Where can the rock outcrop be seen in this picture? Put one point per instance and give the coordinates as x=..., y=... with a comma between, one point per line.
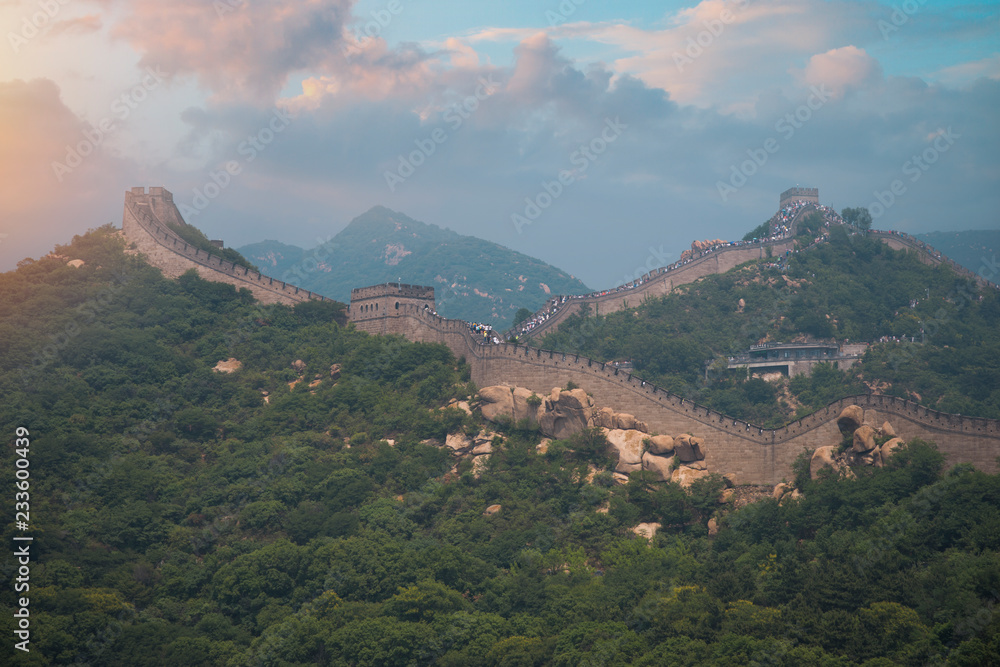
x=861, y=426
x=661, y=467
x=626, y=448
x=863, y=440
x=688, y=448
x=230, y=365
x=566, y=412
x=851, y=418
x=661, y=445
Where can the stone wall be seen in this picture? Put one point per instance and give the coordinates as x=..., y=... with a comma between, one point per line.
x=661, y=282
x=143, y=225
x=755, y=455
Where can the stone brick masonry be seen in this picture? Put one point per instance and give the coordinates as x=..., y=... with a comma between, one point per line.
x=143, y=223
x=755, y=455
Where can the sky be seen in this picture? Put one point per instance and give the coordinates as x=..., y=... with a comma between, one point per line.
x=602, y=137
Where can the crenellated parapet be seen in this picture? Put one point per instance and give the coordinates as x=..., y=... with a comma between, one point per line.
x=663, y=281
x=756, y=455
x=145, y=224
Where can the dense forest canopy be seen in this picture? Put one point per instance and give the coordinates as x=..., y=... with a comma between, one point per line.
x=933, y=333
x=300, y=515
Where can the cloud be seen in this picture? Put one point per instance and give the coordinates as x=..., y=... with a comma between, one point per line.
x=841, y=69
x=966, y=73
x=38, y=210
x=236, y=50
x=79, y=26
x=722, y=53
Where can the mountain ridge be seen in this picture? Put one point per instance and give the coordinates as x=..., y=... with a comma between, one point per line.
x=474, y=279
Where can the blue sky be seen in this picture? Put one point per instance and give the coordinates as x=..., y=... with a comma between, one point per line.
x=848, y=94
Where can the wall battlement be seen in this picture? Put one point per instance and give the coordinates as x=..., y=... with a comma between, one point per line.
x=756, y=455
x=663, y=281
x=144, y=224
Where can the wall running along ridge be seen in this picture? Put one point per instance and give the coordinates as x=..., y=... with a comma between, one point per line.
x=144, y=224
x=755, y=455
x=661, y=282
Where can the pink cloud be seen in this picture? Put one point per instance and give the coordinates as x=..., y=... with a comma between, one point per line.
x=840, y=69
x=237, y=50
x=37, y=209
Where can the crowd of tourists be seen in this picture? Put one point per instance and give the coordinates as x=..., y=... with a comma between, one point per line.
x=781, y=223
x=780, y=228
x=484, y=332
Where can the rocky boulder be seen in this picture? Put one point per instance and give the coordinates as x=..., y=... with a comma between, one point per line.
x=658, y=466
x=626, y=447
x=890, y=447
x=823, y=457
x=335, y=372
x=299, y=366
x=565, y=413
x=497, y=403
x=603, y=418
x=850, y=419
x=780, y=489
x=661, y=445
x=888, y=430
x=624, y=421
x=230, y=365
x=647, y=530
x=686, y=476
x=688, y=448
x=458, y=442
x=527, y=405
x=864, y=440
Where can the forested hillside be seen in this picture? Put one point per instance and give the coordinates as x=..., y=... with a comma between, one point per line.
x=473, y=279
x=934, y=334
x=296, y=514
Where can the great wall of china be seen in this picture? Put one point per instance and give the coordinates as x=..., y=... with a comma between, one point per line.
x=753, y=454
x=663, y=281
x=145, y=223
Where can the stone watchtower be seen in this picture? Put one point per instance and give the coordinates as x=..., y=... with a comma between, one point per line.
x=799, y=194
x=378, y=302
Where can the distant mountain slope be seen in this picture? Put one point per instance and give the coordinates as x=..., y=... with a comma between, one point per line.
x=274, y=257
x=474, y=279
x=972, y=249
